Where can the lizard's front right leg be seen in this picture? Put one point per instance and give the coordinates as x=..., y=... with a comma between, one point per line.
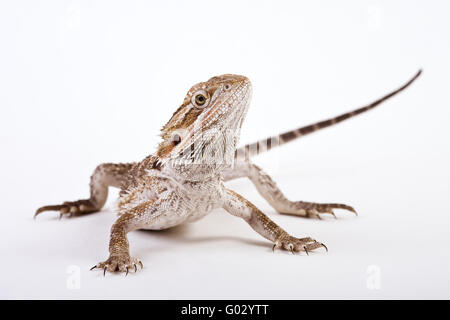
x=105, y=175
x=119, y=248
x=241, y=207
x=140, y=216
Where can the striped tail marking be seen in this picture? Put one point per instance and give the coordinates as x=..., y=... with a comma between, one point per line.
x=269, y=143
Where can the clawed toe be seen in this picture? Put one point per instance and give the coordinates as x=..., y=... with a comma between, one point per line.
x=119, y=264
x=70, y=208
x=327, y=208
x=315, y=210
x=293, y=244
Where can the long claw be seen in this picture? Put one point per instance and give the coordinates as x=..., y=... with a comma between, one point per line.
x=135, y=267
x=104, y=271
x=93, y=268
x=344, y=206
x=274, y=246
x=127, y=272
x=141, y=264
x=306, y=250
x=324, y=246
x=47, y=208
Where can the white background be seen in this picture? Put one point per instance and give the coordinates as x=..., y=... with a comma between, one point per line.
x=86, y=82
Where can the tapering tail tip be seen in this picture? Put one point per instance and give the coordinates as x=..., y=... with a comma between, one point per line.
x=417, y=75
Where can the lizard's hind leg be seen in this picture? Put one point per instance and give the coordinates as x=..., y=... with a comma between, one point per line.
x=105, y=175
x=241, y=207
x=269, y=190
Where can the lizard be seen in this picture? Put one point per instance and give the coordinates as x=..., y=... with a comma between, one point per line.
x=184, y=179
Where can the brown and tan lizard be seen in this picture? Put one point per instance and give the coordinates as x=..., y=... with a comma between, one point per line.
x=184, y=180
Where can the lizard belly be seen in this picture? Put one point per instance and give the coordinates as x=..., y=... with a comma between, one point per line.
x=172, y=219
x=165, y=221
x=171, y=202
x=190, y=211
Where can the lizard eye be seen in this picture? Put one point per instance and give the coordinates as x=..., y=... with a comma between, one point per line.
x=200, y=99
x=227, y=86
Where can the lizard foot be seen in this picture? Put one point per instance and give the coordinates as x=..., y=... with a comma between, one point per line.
x=120, y=263
x=293, y=244
x=313, y=210
x=70, y=208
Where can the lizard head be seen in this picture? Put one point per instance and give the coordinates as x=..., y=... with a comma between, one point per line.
x=206, y=126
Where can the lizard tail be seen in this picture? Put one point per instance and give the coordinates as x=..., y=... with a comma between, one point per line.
x=269, y=143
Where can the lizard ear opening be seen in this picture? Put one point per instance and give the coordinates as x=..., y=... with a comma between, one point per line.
x=176, y=139
x=200, y=99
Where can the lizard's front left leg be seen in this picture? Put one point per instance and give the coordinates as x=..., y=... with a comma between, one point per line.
x=241, y=207
x=119, y=248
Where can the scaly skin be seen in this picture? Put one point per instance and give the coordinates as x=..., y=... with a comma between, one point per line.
x=183, y=180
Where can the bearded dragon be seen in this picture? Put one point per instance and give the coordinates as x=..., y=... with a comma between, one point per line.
x=184, y=180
